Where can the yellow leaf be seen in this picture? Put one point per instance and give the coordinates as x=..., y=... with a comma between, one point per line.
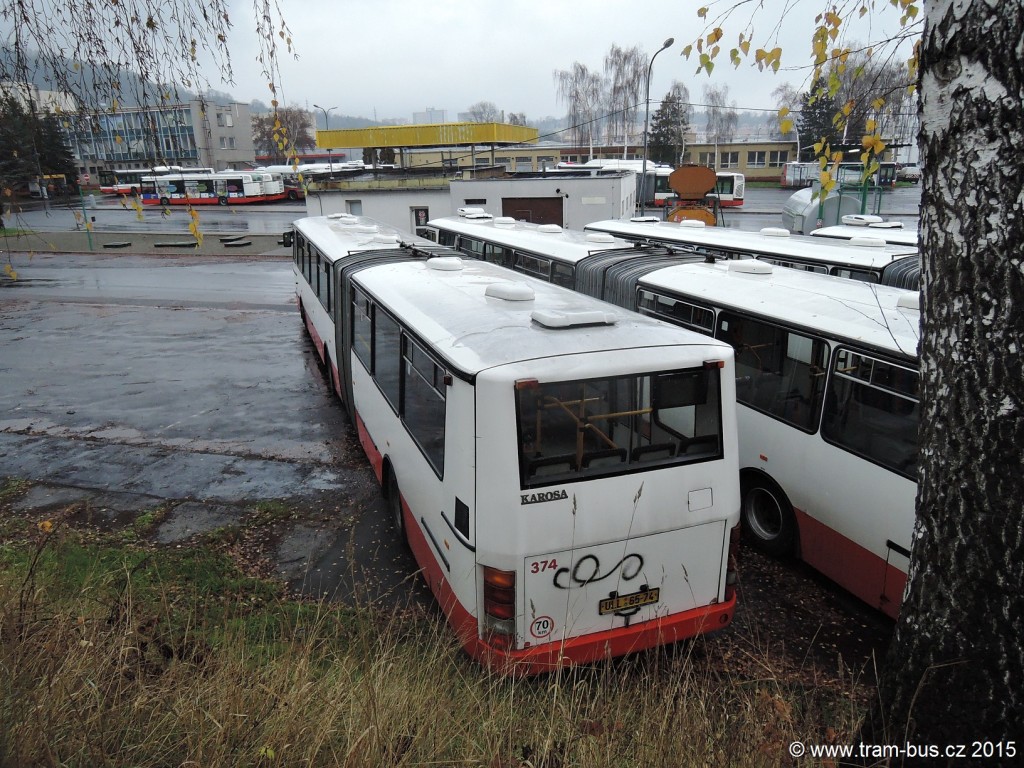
x=786, y=126
x=687, y=50
x=745, y=47
x=702, y=12
x=9, y=271
x=715, y=36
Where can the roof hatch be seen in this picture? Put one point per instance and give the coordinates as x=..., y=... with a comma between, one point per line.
x=554, y=319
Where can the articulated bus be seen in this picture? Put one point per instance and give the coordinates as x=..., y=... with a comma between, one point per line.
x=866, y=258
x=222, y=188
x=564, y=471
x=827, y=388
x=545, y=251
x=128, y=181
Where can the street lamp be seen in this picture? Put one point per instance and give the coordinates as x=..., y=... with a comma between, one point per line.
x=327, y=127
x=647, y=112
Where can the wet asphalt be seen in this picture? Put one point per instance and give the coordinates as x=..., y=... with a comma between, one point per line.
x=187, y=386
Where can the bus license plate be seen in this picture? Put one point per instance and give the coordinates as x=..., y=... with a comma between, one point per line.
x=625, y=602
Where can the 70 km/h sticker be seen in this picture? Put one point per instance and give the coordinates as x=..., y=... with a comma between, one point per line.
x=542, y=626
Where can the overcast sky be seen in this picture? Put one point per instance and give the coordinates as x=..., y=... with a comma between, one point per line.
x=389, y=58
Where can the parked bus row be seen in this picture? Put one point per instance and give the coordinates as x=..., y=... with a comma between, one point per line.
x=826, y=367
x=128, y=181
x=564, y=471
x=221, y=188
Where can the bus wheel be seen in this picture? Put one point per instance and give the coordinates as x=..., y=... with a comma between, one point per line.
x=222, y=200
x=768, y=516
x=395, y=507
x=165, y=201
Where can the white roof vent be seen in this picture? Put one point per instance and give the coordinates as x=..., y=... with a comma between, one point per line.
x=909, y=300
x=750, y=267
x=867, y=242
x=599, y=237
x=549, y=229
x=692, y=224
x=336, y=215
x=645, y=219
x=393, y=239
x=774, y=232
x=509, y=291
x=886, y=225
x=471, y=211
x=551, y=318
x=504, y=221
x=861, y=219
x=445, y=263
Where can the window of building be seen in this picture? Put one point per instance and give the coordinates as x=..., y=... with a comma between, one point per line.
x=777, y=158
x=354, y=207
x=729, y=159
x=756, y=159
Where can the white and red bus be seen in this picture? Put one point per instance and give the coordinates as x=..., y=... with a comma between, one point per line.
x=869, y=257
x=221, y=188
x=827, y=386
x=729, y=189
x=826, y=367
x=563, y=470
x=128, y=181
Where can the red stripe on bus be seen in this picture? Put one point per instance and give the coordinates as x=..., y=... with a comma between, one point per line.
x=851, y=566
x=370, y=449
x=576, y=650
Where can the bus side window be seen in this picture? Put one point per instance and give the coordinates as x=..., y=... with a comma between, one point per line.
x=871, y=409
x=387, y=356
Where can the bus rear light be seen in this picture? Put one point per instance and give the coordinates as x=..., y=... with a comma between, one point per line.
x=499, y=606
x=527, y=384
x=712, y=364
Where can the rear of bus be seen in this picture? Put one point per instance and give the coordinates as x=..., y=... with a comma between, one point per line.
x=616, y=533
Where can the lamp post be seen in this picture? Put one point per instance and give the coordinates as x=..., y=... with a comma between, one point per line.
x=327, y=127
x=647, y=113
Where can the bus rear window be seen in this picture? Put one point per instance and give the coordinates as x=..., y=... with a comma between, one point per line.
x=574, y=430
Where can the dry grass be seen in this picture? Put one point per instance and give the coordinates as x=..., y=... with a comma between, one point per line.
x=112, y=654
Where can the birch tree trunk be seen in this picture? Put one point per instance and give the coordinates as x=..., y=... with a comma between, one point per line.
x=955, y=671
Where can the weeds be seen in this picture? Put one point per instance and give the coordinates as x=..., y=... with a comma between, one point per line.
x=117, y=655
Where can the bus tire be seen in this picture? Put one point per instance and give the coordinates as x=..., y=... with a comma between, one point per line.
x=293, y=195
x=767, y=516
x=394, y=499
x=165, y=201
x=222, y=200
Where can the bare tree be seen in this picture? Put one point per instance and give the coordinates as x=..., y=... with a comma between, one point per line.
x=276, y=134
x=786, y=96
x=722, y=117
x=484, y=112
x=583, y=92
x=625, y=70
